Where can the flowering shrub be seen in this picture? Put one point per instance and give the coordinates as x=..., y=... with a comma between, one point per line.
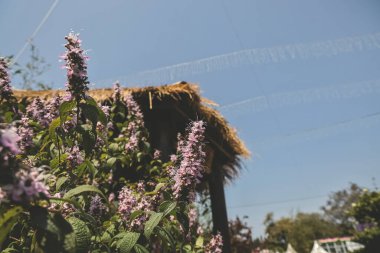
x=78, y=176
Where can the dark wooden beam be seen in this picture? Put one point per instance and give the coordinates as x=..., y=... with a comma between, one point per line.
x=218, y=207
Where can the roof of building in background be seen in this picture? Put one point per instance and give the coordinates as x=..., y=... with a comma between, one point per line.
x=183, y=101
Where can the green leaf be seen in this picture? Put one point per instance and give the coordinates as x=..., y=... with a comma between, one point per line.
x=91, y=113
x=52, y=128
x=7, y=220
x=140, y=249
x=167, y=206
x=111, y=161
x=156, y=189
x=199, y=242
x=82, y=234
x=153, y=221
x=135, y=214
x=58, y=161
x=89, y=141
x=83, y=188
x=126, y=243
x=60, y=182
x=65, y=109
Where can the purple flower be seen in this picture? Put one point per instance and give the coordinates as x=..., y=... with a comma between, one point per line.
x=6, y=92
x=9, y=139
x=29, y=186
x=135, y=125
x=130, y=202
x=26, y=134
x=97, y=207
x=215, y=245
x=76, y=67
x=193, y=217
x=52, y=108
x=157, y=154
x=75, y=157
x=127, y=202
x=190, y=170
x=116, y=91
x=38, y=111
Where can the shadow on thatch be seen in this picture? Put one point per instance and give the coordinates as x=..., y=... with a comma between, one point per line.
x=168, y=110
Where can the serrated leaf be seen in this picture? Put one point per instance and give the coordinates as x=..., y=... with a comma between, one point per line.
x=153, y=221
x=167, y=206
x=83, y=188
x=82, y=234
x=126, y=243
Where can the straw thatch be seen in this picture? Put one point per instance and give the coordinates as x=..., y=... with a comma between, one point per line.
x=168, y=109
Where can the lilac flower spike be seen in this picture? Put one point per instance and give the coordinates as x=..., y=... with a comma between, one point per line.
x=29, y=186
x=136, y=123
x=190, y=170
x=116, y=91
x=9, y=139
x=6, y=92
x=76, y=66
x=215, y=245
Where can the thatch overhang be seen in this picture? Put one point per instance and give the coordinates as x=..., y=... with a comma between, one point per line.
x=168, y=109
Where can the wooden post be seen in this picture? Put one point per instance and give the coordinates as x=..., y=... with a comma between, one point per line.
x=218, y=207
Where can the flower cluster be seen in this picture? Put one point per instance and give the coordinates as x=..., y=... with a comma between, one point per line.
x=97, y=207
x=37, y=111
x=5, y=86
x=26, y=134
x=76, y=67
x=75, y=157
x=215, y=245
x=116, y=92
x=29, y=186
x=135, y=125
x=190, y=170
x=130, y=201
x=8, y=146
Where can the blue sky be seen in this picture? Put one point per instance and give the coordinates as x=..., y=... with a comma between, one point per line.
x=306, y=101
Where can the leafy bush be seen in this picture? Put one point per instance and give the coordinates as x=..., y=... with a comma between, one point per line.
x=79, y=176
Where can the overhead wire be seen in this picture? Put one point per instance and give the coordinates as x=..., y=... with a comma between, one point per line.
x=35, y=32
x=267, y=203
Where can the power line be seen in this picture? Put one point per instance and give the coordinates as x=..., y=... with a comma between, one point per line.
x=267, y=203
x=31, y=37
x=260, y=103
x=254, y=56
x=308, y=133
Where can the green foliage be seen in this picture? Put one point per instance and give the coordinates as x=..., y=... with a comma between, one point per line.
x=366, y=212
x=338, y=205
x=300, y=231
x=81, y=167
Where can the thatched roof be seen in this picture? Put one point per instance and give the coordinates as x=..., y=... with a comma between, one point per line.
x=172, y=107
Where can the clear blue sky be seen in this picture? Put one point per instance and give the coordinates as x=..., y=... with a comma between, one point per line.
x=305, y=102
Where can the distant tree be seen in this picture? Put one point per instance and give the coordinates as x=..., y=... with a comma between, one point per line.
x=241, y=236
x=31, y=71
x=300, y=231
x=366, y=212
x=338, y=205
